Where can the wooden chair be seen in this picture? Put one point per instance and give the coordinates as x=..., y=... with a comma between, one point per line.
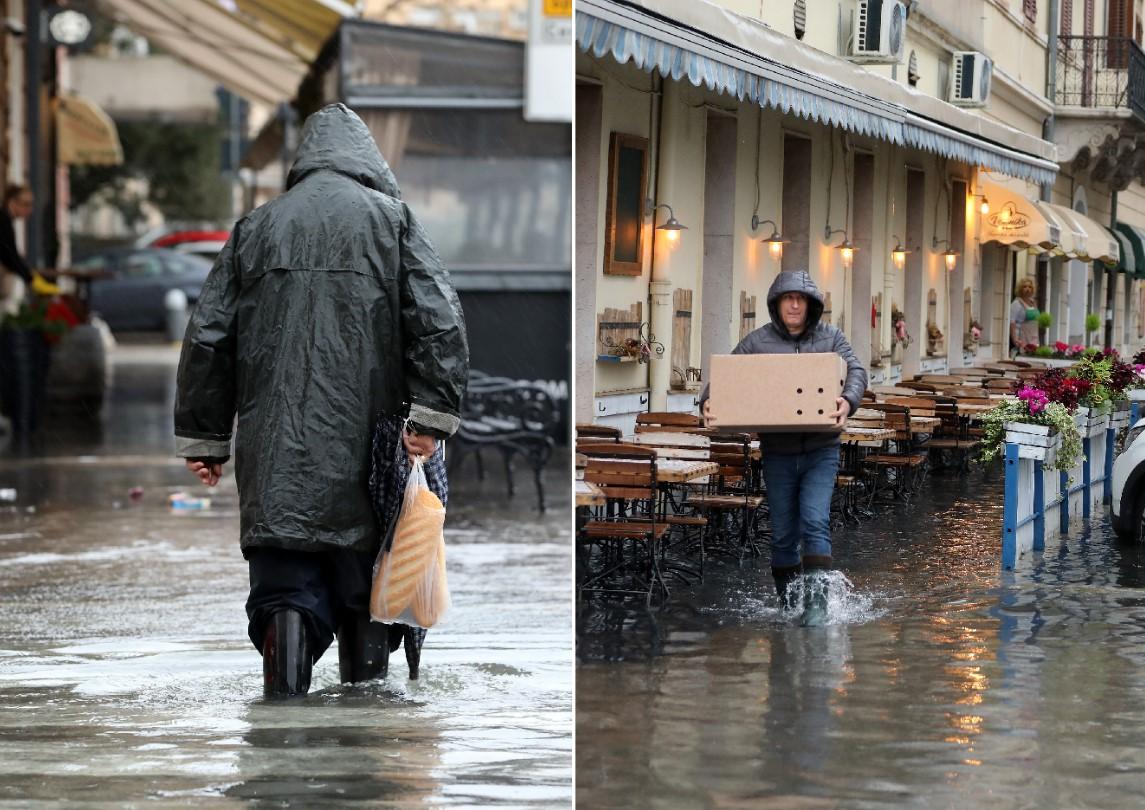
x=951, y=446
x=626, y=474
x=901, y=464
x=600, y=432
x=733, y=489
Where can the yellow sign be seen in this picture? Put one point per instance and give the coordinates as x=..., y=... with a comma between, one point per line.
x=558, y=8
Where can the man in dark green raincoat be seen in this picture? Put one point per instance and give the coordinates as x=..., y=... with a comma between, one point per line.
x=327, y=307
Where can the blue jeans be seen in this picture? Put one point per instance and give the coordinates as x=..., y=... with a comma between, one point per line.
x=799, y=489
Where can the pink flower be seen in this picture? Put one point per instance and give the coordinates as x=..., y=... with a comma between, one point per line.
x=1035, y=398
x=976, y=332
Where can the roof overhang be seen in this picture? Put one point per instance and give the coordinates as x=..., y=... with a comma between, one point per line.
x=728, y=53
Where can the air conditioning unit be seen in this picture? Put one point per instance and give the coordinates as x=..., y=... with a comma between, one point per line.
x=878, y=31
x=970, y=74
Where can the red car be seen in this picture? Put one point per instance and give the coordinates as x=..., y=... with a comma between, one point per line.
x=200, y=243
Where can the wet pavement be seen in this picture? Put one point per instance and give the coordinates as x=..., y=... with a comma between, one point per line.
x=126, y=677
x=941, y=681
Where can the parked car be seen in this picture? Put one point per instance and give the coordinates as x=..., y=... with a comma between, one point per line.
x=1127, y=488
x=131, y=296
x=203, y=243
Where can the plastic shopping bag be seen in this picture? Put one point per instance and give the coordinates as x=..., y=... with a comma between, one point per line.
x=409, y=579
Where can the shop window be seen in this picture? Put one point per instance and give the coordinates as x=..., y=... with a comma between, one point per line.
x=796, y=225
x=624, y=215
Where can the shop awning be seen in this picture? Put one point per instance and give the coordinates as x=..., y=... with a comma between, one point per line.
x=728, y=53
x=260, y=51
x=85, y=134
x=1017, y=221
x=1095, y=243
x=1128, y=262
x=1136, y=238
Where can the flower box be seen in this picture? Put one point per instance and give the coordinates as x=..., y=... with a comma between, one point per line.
x=1136, y=394
x=1040, y=442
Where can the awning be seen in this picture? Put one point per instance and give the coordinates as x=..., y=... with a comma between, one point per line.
x=1096, y=243
x=1017, y=221
x=1136, y=238
x=723, y=51
x=1128, y=262
x=261, y=51
x=85, y=134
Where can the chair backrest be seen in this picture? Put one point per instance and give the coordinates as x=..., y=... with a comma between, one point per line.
x=622, y=471
x=918, y=406
x=599, y=432
x=690, y=446
x=914, y=385
x=1001, y=384
x=666, y=419
x=977, y=401
x=732, y=451
x=964, y=391
x=895, y=417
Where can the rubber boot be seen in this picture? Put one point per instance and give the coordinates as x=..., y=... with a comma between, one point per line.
x=287, y=657
x=815, y=591
x=363, y=649
x=413, y=638
x=783, y=577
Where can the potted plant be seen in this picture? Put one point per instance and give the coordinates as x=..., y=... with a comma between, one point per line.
x=1092, y=324
x=933, y=339
x=25, y=355
x=973, y=336
x=1033, y=418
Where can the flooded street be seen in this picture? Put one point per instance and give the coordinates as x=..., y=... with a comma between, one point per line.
x=126, y=674
x=940, y=682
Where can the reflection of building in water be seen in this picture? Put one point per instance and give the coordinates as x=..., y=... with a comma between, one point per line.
x=504, y=18
x=492, y=189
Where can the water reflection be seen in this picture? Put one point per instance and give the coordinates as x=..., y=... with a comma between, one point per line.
x=962, y=685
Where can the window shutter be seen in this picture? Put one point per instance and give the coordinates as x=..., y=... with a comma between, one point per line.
x=1067, y=18
x=1118, y=18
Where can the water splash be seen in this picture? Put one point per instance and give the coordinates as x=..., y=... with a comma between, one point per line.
x=845, y=603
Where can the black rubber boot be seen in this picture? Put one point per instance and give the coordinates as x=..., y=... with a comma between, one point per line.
x=815, y=591
x=783, y=578
x=287, y=658
x=363, y=649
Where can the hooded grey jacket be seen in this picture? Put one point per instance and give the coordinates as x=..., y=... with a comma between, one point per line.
x=773, y=338
x=327, y=307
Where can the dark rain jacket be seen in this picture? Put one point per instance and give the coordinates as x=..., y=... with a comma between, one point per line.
x=773, y=338
x=326, y=307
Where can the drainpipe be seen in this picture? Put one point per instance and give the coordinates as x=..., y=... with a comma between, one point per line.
x=1111, y=278
x=1048, y=126
x=33, y=79
x=659, y=289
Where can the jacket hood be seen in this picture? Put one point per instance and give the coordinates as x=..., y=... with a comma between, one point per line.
x=795, y=281
x=336, y=139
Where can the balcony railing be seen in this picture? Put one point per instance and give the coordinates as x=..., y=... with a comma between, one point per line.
x=1100, y=72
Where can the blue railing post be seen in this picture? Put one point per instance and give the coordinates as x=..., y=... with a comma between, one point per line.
x=1010, y=509
x=1086, y=478
x=1039, y=507
x=1107, y=490
x=1063, y=515
x=1134, y=413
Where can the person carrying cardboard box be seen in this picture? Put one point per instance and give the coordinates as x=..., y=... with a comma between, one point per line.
x=800, y=466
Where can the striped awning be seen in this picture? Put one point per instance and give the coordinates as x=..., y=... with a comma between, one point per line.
x=1136, y=238
x=672, y=37
x=1128, y=262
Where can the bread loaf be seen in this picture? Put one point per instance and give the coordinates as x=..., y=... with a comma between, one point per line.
x=406, y=568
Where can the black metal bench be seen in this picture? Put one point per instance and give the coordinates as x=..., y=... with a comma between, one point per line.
x=512, y=416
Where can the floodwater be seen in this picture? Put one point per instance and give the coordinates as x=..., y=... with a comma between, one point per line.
x=126, y=676
x=941, y=681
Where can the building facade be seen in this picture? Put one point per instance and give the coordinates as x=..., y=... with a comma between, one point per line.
x=861, y=125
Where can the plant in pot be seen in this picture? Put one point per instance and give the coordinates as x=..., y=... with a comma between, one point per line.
x=1092, y=324
x=1031, y=406
x=26, y=337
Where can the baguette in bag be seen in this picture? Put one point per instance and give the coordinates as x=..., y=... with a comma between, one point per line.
x=409, y=580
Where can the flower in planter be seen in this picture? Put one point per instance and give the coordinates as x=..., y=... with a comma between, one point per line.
x=1098, y=374
x=898, y=325
x=1061, y=388
x=1060, y=349
x=1031, y=406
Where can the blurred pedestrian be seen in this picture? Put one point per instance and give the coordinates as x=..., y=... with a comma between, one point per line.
x=1024, y=316
x=327, y=307
x=799, y=469
x=15, y=274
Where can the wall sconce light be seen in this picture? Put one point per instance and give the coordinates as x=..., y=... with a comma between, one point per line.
x=898, y=254
x=846, y=248
x=950, y=255
x=671, y=226
x=984, y=206
x=775, y=242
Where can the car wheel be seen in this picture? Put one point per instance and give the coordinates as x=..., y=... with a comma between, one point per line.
x=1138, y=514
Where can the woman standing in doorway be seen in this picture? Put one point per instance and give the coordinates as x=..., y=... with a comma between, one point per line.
x=1023, y=316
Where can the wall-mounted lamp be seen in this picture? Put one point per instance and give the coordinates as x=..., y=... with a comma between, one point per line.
x=847, y=249
x=984, y=206
x=775, y=242
x=950, y=255
x=671, y=226
x=898, y=254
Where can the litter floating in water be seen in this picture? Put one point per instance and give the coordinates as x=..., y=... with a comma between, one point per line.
x=7, y=495
x=183, y=501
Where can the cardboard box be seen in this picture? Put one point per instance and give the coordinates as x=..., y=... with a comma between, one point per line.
x=776, y=393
